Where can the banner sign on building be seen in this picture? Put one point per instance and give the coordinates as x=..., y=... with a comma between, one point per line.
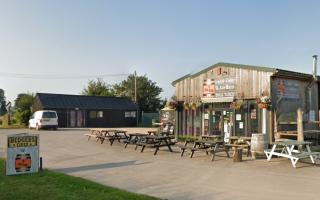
x=22, y=154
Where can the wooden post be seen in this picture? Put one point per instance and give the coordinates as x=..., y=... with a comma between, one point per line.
x=237, y=155
x=271, y=127
x=275, y=124
x=300, y=125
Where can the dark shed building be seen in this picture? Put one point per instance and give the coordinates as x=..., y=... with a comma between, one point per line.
x=88, y=111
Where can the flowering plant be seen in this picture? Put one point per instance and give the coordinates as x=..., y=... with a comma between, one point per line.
x=236, y=104
x=172, y=104
x=186, y=105
x=264, y=102
x=193, y=106
x=199, y=104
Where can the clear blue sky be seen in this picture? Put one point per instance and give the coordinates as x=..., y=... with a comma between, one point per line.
x=163, y=39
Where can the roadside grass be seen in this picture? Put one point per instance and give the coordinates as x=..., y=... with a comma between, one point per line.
x=14, y=126
x=51, y=185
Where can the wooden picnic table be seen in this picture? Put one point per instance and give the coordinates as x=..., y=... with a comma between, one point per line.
x=103, y=134
x=239, y=142
x=288, y=150
x=205, y=145
x=154, y=141
x=93, y=133
x=133, y=138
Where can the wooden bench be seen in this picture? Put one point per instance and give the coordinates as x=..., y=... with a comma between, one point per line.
x=312, y=155
x=306, y=155
x=193, y=149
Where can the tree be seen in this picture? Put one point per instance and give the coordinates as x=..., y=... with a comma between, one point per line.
x=23, y=104
x=98, y=88
x=3, y=109
x=148, y=92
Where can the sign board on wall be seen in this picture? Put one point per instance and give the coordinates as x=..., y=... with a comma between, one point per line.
x=225, y=86
x=208, y=88
x=22, y=154
x=288, y=89
x=220, y=87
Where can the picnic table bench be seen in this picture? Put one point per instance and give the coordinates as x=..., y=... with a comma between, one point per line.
x=289, y=151
x=153, y=141
x=133, y=138
x=103, y=134
x=206, y=146
x=93, y=133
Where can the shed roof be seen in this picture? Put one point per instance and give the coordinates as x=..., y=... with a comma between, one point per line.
x=66, y=101
x=276, y=71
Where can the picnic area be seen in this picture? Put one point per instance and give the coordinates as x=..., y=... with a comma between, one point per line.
x=167, y=174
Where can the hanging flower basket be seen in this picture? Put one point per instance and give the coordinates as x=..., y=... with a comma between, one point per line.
x=199, y=104
x=263, y=105
x=237, y=104
x=264, y=102
x=172, y=104
x=193, y=106
x=186, y=106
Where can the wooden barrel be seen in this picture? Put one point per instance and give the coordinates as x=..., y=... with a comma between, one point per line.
x=258, y=144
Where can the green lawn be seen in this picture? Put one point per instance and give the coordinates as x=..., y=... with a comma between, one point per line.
x=50, y=185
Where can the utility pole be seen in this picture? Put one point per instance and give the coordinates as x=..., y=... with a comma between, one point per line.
x=135, y=86
x=135, y=96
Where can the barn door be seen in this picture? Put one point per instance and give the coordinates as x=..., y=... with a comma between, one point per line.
x=72, y=118
x=80, y=118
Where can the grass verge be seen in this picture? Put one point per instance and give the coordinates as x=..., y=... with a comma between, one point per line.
x=55, y=186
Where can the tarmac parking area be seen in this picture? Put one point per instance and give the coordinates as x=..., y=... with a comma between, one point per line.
x=169, y=176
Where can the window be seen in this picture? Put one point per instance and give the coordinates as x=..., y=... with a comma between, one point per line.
x=130, y=114
x=99, y=114
x=49, y=115
x=95, y=114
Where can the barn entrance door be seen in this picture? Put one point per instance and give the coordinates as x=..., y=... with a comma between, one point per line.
x=80, y=118
x=72, y=118
x=77, y=118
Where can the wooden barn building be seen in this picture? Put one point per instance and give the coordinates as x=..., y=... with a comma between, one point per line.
x=239, y=100
x=88, y=111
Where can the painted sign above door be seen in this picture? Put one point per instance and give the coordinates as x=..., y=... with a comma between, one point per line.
x=219, y=87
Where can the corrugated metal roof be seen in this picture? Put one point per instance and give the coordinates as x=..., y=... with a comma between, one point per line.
x=65, y=101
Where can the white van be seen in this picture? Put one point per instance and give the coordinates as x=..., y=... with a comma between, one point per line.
x=44, y=119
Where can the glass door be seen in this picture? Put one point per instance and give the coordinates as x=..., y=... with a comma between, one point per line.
x=227, y=124
x=216, y=123
x=206, y=119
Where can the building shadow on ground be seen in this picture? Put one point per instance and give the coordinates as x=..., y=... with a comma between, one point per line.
x=100, y=166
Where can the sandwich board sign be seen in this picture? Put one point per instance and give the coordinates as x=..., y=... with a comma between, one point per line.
x=22, y=154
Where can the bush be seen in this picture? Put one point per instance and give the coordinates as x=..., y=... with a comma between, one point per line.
x=187, y=137
x=23, y=116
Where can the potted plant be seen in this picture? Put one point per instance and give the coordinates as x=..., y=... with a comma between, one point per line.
x=264, y=102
